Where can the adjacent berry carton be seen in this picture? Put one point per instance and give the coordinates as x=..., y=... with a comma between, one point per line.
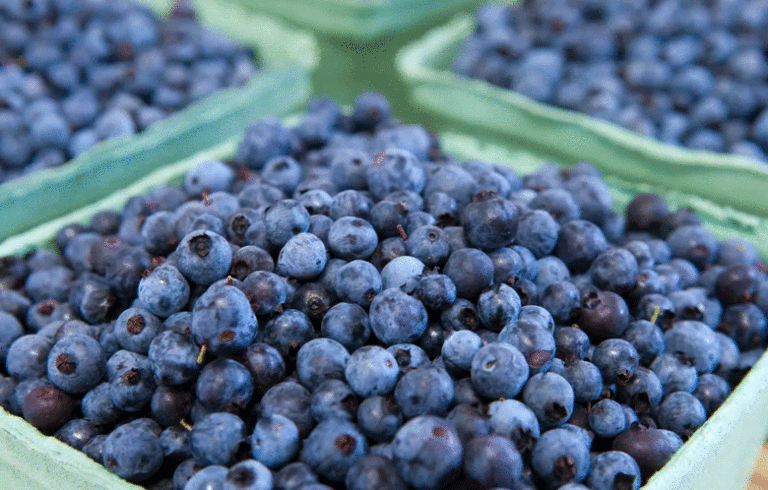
x=479, y=107
x=286, y=57
x=720, y=454
x=359, y=19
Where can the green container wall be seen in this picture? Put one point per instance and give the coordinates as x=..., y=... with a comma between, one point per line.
x=357, y=19
x=481, y=108
x=719, y=456
x=287, y=57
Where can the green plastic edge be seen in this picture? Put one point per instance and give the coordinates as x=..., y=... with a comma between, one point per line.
x=287, y=57
x=360, y=19
x=720, y=455
x=556, y=134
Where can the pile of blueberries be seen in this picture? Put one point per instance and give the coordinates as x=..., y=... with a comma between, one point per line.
x=344, y=305
x=687, y=72
x=76, y=72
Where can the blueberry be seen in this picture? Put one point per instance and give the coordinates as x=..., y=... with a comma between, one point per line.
x=561, y=456
x=132, y=452
x=571, y=343
x=223, y=320
x=287, y=332
x=694, y=243
x=333, y=398
x=649, y=448
x=352, y=238
x=349, y=167
x=224, y=385
x=209, y=477
x=612, y=469
x=729, y=355
x=396, y=317
x=498, y=306
x=283, y=220
x=370, y=110
x=538, y=231
x=266, y=292
x=386, y=216
x=76, y=363
x=258, y=195
x=131, y=380
x=615, y=270
x=410, y=137
x=579, y=243
x=302, y=257
x=424, y=390
x=135, y=329
x=371, y=370
x=164, y=291
x=333, y=447
x=174, y=357
x=373, y=472
x=27, y=357
x=550, y=397
x=746, y=324
x=436, y=291
x=696, y=342
x=348, y=324
x=313, y=299
x=711, y=391
x=351, y=203
x=50, y=284
x=738, y=283
x=291, y=400
x=429, y=245
x=319, y=360
x=539, y=316
x=98, y=407
x=379, y=418
x=585, y=379
x=357, y=282
x=426, y=438
x=498, y=370
x=408, y=356
x=561, y=298
x=471, y=271
x=617, y=360
x=550, y=270
x=94, y=449
x=603, y=315
x=248, y=475
x=204, y=257
x=490, y=221
x=395, y=170
x=402, y=272
x=454, y=181
x=275, y=440
x=44, y=406
x=675, y=373
x=169, y=405
x=606, y=418
x=216, y=438
x=492, y=461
